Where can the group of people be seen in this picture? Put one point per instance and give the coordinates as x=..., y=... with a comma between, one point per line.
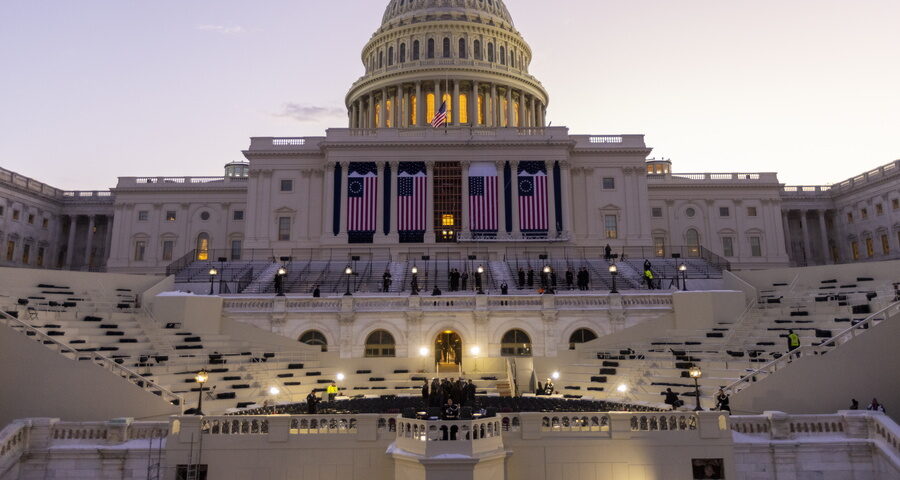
x=458, y=281
x=723, y=400
x=449, y=394
x=313, y=401
x=873, y=407
x=545, y=389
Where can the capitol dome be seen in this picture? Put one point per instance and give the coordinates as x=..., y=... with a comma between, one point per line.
x=465, y=54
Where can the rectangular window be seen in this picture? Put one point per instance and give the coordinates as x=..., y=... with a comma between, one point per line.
x=611, y=222
x=40, y=257
x=31, y=219
x=284, y=229
x=236, y=249
x=45, y=223
x=609, y=183
x=238, y=215
x=143, y=215
x=287, y=185
x=26, y=254
x=140, y=248
x=657, y=212
x=659, y=246
x=870, y=247
x=850, y=218
x=885, y=244
x=724, y=212
x=751, y=211
x=895, y=204
x=864, y=213
x=728, y=246
x=2, y=210
x=191, y=472
x=168, y=249
x=10, y=250
x=854, y=247
x=171, y=216
x=15, y=215
x=755, y=247
x=879, y=209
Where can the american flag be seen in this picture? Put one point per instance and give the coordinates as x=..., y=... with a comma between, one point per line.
x=483, y=198
x=411, y=197
x=533, y=196
x=440, y=118
x=362, y=188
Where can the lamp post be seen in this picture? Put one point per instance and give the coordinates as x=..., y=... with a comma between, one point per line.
x=478, y=283
x=349, y=272
x=201, y=377
x=279, y=281
x=696, y=373
x=475, y=350
x=683, y=270
x=212, y=279
x=614, y=271
x=414, y=284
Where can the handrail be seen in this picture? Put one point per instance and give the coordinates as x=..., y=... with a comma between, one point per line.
x=124, y=372
x=771, y=367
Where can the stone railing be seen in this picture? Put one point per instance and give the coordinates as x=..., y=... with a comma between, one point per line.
x=73, y=354
x=13, y=443
x=594, y=142
x=447, y=303
x=458, y=437
x=88, y=196
x=723, y=177
x=885, y=314
x=181, y=182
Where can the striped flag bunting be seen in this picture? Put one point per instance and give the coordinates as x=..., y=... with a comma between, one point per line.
x=483, y=197
x=533, y=196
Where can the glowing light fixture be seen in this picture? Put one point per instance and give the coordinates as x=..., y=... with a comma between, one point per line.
x=622, y=388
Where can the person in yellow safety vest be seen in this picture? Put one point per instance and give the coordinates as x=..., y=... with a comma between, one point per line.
x=648, y=276
x=332, y=391
x=793, y=342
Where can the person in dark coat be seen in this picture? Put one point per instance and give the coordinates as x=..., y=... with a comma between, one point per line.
x=386, y=281
x=451, y=410
x=530, y=277
x=504, y=289
x=436, y=292
x=570, y=279
x=454, y=280
x=465, y=280
x=607, y=252
x=316, y=292
x=521, y=278
x=723, y=402
x=312, y=403
x=672, y=399
x=425, y=392
x=587, y=279
x=434, y=400
x=553, y=279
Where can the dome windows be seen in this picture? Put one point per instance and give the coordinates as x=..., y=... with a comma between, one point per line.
x=462, y=48
x=477, y=49
x=491, y=52
x=380, y=59
x=402, y=53
x=415, y=50
x=390, y=58
x=446, y=49
x=502, y=56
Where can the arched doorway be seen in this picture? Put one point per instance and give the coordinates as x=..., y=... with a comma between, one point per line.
x=448, y=348
x=203, y=247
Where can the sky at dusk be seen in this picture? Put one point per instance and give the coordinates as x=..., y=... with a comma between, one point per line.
x=96, y=89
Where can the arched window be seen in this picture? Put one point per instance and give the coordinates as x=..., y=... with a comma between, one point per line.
x=380, y=344
x=692, y=238
x=203, y=246
x=462, y=48
x=582, y=335
x=446, y=50
x=430, y=53
x=390, y=56
x=402, y=52
x=512, y=58
x=490, y=52
x=380, y=59
x=502, y=55
x=515, y=343
x=315, y=338
x=415, y=52
x=477, y=47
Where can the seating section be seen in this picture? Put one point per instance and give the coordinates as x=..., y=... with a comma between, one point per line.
x=815, y=311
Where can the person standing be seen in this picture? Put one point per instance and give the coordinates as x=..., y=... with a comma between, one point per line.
x=854, y=404
x=875, y=406
x=793, y=342
x=530, y=277
x=521, y=278
x=607, y=253
x=570, y=278
x=672, y=399
x=723, y=402
x=465, y=280
x=332, y=392
x=425, y=392
x=312, y=403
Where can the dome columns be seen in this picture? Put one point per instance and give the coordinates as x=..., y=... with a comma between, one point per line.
x=470, y=102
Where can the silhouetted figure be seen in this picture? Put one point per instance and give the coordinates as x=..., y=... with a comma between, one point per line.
x=312, y=403
x=504, y=289
x=530, y=277
x=386, y=281
x=521, y=278
x=465, y=280
x=607, y=252
x=570, y=279
x=316, y=292
x=723, y=402
x=672, y=399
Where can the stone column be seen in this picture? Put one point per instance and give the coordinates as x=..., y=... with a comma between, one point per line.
x=379, y=200
x=429, y=203
x=509, y=108
x=420, y=106
x=371, y=110
x=501, y=199
x=107, y=242
x=398, y=107
x=806, y=247
x=455, y=101
x=437, y=99
x=70, y=251
x=566, y=195
x=473, y=104
x=786, y=225
x=343, y=196
x=826, y=251
x=383, y=118
x=532, y=115
x=514, y=179
x=92, y=223
x=494, y=122
x=464, y=221
x=394, y=236
x=551, y=199
x=328, y=201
